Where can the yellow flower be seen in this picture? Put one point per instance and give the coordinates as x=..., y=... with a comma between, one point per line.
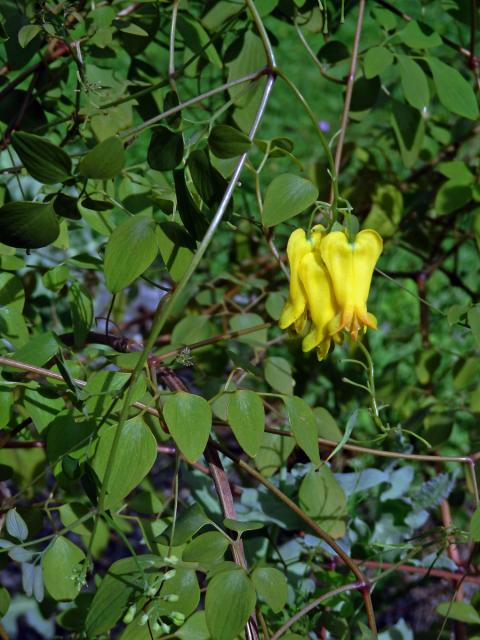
x=295, y=310
x=351, y=266
x=321, y=303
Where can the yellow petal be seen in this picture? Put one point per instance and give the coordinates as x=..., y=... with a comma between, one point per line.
x=321, y=303
x=351, y=266
x=298, y=246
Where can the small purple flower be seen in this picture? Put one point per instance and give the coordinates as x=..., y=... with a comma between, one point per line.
x=324, y=126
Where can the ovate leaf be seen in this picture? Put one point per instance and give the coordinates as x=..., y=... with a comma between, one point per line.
x=134, y=457
x=189, y=420
x=414, y=82
x=303, y=424
x=454, y=92
x=43, y=160
x=228, y=142
x=246, y=416
x=323, y=499
x=271, y=585
x=28, y=225
x=62, y=566
x=286, y=196
x=130, y=251
x=104, y=161
x=229, y=603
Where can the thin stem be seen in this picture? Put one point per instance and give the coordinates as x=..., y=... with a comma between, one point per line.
x=312, y=55
x=314, y=604
x=323, y=140
x=250, y=77
x=262, y=32
x=171, y=51
x=348, y=94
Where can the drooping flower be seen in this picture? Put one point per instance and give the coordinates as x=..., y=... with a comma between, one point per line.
x=329, y=286
x=351, y=265
x=295, y=310
x=321, y=303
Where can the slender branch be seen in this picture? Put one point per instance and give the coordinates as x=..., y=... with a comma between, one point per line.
x=250, y=77
x=313, y=605
x=171, y=50
x=262, y=32
x=423, y=571
x=348, y=94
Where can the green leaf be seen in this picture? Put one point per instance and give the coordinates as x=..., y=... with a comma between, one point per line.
x=197, y=39
x=365, y=93
x=104, y=161
x=386, y=212
x=271, y=586
x=419, y=36
x=451, y=196
x=134, y=457
x=130, y=251
x=12, y=293
x=240, y=527
x=246, y=416
x=16, y=525
x=28, y=225
x=27, y=34
x=43, y=160
x=377, y=59
x=475, y=525
x=278, y=374
x=206, y=548
x=189, y=420
x=208, y=182
x=192, y=218
x=304, y=428
x=175, y=246
x=473, y=316
x=273, y=453
x=454, y=92
x=228, y=142
x=195, y=628
x=229, y=602
x=323, y=499
x=414, y=82
x=461, y=611
x=38, y=350
x=62, y=564
x=165, y=151
x=409, y=128
x=124, y=581
x=5, y=602
x=286, y=196
x=81, y=311
x=326, y=426
x=187, y=525
x=245, y=321
x=184, y=584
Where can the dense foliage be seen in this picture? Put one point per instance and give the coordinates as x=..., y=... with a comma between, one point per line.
x=172, y=465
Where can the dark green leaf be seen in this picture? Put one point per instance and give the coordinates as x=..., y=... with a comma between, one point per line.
x=104, y=161
x=409, y=128
x=165, y=151
x=28, y=225
x=365, y=93
x=43, y=160
x=192, y=218
x=228, y=142
x=207, y=547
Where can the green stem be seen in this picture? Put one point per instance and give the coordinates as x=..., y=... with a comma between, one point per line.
x=323, y=140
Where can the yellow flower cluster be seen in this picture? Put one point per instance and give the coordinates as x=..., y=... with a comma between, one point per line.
x=329, y=284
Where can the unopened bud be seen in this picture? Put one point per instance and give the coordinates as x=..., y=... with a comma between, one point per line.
x=177, y=617
x=171, y=559
x=130, y=615
x=143, y=620
x=170, y=574
x=171, y=597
